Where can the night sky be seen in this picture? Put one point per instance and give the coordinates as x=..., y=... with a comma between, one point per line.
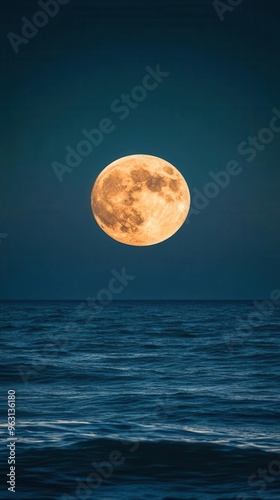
x=223, y=83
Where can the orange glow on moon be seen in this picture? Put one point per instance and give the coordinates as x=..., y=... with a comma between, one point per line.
x=140, y=200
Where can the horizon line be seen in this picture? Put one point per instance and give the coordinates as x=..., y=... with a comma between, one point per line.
x=136, y=300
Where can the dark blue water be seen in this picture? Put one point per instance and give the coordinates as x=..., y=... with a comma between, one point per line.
x=181, y=403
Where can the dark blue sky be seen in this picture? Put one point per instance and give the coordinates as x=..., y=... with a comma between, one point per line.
x=223, y=84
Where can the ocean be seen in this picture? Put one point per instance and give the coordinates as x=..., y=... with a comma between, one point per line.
x=135, y=400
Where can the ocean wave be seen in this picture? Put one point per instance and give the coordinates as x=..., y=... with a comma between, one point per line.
x=210, y=467
x=142, y=452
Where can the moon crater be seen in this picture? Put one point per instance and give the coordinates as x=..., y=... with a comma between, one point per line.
x=140, y=200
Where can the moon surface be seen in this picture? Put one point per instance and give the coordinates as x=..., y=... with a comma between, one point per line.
x=140, y=200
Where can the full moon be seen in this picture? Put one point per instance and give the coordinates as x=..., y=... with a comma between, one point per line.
x=140, y=200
